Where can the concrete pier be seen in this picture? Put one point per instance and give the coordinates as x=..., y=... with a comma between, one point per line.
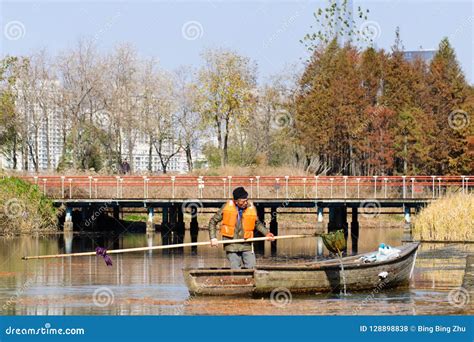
x=150, y=225
x=355, y=231
x=68, y=225
x=338, y=220
x=273, y=228
x=259, y=246
x=116, y=212
x=194, y=227
x=320, y=230
x=180, y=228
x=407, y=228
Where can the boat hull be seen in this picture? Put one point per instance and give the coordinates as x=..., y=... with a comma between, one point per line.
x=313, y=277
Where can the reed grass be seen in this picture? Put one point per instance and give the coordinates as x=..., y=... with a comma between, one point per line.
x=450, y=218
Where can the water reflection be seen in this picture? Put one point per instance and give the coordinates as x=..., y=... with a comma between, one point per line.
x=151, y=282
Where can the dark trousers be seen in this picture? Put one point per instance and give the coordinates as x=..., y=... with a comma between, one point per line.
x=246, y=258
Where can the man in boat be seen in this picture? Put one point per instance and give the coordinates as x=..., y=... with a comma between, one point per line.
x=238, y=220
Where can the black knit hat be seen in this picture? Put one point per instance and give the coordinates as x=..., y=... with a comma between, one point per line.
x=239, y=193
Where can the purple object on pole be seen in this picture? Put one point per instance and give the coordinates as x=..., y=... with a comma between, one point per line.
x=103, y=252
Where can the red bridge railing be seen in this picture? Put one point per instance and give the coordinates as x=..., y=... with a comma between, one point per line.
x=155, y=187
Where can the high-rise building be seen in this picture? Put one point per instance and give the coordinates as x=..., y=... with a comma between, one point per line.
x=141, y=156
x=425, y=55
x=44, y=125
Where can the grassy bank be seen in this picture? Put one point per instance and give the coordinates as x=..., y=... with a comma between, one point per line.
x=448, y=219
x=24, y=209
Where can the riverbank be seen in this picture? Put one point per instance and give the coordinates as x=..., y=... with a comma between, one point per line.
x=24, y=209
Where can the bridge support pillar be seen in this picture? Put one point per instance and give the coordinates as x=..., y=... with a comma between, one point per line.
x=259, y=246
x=319, y=223
x=150, y=225
x=194, y=228
x=170, y=230
x=407, y=229
x=68, y=237
x=273, y=229
x=355, y=230
x=116, y=212
x=173, y=220
x=164, y=219
x=68, y=225
x=165, y=226
x=320, y=230
x=180, y=225
x=338, y=220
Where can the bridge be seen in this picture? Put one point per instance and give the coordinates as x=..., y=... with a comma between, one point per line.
x=174, y=196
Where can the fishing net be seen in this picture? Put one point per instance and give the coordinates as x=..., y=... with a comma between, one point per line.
x=335, y=242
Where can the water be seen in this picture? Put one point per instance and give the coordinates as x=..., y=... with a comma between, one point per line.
x=151, y=283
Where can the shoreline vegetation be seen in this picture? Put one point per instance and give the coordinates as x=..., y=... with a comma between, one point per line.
x=24, y=209
x=450, y=218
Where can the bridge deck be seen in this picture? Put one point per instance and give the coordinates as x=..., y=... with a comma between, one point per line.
x=265, y=202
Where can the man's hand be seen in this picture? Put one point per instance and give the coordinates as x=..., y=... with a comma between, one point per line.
x=270, y=237
x=214, y=242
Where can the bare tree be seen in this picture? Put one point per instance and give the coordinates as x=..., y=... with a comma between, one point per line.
x=188, y=118
x=80, y=72
x=166, y=138
x=29, y=116
x=123, y=103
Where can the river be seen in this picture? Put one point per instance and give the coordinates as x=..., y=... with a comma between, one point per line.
x=151, y=283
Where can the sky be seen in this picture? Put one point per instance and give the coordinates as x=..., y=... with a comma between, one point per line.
x=268, y=32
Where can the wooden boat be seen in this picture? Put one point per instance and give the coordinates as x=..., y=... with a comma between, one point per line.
x=309, y=277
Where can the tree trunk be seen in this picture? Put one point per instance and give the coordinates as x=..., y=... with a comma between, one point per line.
x=225, y=146
x=48, y=152
x=189, y=158
x=405, y=155
x=36, y=149
x=150, y=154
x=219, y=138
x=130, y=149
x=32, y=154
x=14, y=152
x=24, y=155
x=351, y=159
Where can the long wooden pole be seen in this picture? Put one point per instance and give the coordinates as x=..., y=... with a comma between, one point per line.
x=189, y=244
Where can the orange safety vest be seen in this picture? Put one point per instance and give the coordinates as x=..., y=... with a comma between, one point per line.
x=229, y=220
